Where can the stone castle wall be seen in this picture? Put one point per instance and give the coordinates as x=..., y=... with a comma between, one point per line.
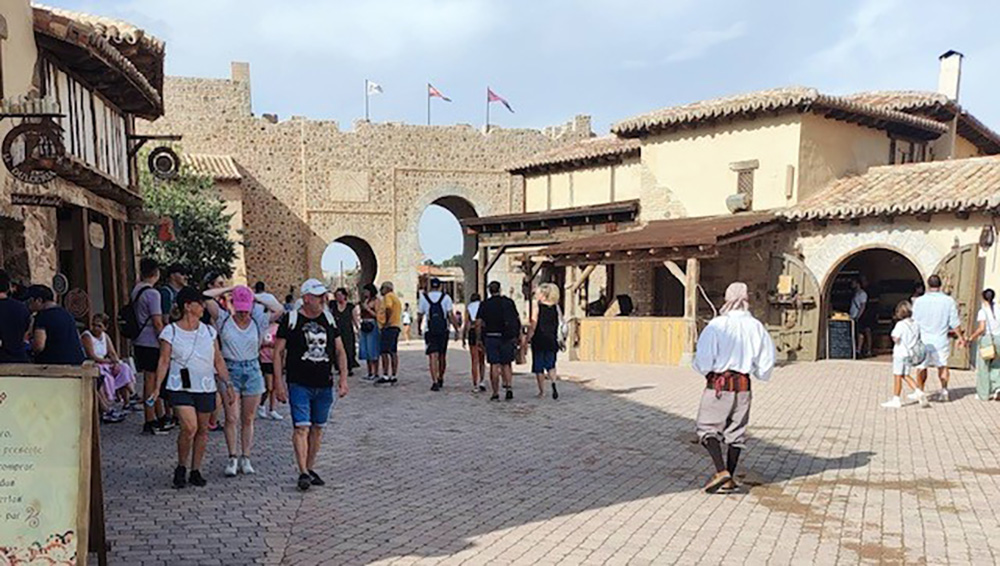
x=307, y=183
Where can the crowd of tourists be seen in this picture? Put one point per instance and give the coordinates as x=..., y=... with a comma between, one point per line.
x=218, y=357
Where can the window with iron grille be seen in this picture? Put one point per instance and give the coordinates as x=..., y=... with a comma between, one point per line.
x=744, y=182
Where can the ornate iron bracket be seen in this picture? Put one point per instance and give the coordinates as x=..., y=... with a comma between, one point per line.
x=137, y=141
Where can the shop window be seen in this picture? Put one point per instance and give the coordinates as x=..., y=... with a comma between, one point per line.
x=668, y=294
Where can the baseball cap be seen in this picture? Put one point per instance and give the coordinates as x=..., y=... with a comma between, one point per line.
x=243, y=298
x=188, y=295
x=435, y=282
x=313, y=287
x=178, y=268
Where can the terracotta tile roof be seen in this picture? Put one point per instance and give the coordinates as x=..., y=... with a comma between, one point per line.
x=218, y=167
x=801, y=99
x=585, y=152
x=650, y=240
x=933, y=105
x=955, y=185
x=115, y=31
x=61, y=27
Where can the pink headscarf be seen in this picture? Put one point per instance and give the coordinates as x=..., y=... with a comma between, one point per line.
x=737, y=298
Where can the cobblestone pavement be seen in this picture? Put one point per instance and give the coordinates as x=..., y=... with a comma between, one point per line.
x=608, y=474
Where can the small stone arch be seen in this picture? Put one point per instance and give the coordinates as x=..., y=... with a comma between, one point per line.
x=824, y=255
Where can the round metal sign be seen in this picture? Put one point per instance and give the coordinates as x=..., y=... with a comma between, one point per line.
x=30, y=151
x=164, y=163
x=60, y=284
x=77, y=302
x=96, y=233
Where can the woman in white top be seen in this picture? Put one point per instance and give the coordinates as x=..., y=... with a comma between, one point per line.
x=241, y=333
x=472, y=335
x=189, y=362
x=116, y=377
x=987, y=371
x=907, y=352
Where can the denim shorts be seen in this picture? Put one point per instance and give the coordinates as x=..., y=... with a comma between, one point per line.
x=310, y=406
x=500, y=350
x=389, y=339
x=542, y=361
x=368, y=344
x=246, y=377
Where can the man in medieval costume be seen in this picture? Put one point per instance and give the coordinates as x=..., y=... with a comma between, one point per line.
x=732, y=348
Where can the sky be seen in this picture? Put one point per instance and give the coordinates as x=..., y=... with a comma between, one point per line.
x=610, y=59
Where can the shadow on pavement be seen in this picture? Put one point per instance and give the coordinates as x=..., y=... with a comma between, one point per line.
x=411, y=472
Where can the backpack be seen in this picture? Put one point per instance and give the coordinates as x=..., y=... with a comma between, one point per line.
x=128, y=318
x=511, y=320
x=293, y=318
x=562, y=335
x=437, y=322
x=916, y=353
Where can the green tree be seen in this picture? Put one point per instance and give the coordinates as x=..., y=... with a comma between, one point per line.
x=201, y=225
x=453, y=261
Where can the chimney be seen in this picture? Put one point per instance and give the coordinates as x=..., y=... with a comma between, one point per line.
x=950, y=74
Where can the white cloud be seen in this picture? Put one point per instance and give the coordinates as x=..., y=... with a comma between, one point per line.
x=699, y=42
x=875, y=30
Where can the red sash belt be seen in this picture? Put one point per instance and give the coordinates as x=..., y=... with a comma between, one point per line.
x=727, y=381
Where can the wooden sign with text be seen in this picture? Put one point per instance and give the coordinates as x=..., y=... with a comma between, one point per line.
x=21, y=199
x=47, y=429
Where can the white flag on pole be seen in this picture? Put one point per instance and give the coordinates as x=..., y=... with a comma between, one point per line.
x=374, y=88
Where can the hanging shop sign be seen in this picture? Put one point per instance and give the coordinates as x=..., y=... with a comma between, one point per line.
x=96, y=234
x=164, y=163
x=30, y=151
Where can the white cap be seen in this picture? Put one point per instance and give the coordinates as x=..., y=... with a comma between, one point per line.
x=313, y=287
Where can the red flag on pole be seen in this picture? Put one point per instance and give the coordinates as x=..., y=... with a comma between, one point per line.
x=494, y=97
x=435, y=93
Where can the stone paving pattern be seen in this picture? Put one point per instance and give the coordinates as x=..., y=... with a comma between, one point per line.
x=608, y=474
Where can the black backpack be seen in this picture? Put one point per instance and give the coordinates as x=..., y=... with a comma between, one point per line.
x=128, y=318
x=511, y=319
x=437, y=322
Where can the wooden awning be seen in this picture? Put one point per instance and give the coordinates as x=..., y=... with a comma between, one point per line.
x=663, y=240
x=624, y=211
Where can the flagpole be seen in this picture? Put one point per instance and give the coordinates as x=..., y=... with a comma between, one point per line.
x=487, y=110
x=366, y=100
x=428, y=104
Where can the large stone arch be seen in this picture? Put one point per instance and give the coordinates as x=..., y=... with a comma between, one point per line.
x=825, y=253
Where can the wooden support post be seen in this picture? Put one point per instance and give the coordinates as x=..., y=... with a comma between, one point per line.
x=693, y=275
x=484, y=252
x=676, y=271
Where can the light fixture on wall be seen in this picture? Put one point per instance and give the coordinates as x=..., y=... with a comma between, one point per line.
x=987, y=237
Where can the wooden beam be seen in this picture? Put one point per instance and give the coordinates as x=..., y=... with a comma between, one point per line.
x=693, y=276
x=583, y=278
x=676, y=271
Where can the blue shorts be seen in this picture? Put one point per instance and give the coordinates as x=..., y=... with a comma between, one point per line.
x=500, y=350
x=310, y=406
x=246, y=377
x=542, y=361
x=389, y=339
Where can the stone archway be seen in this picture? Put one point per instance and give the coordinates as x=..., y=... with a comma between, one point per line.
x=367, y=261
x=463, y=209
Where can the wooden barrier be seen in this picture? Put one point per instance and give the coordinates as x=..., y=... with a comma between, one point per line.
x=51, y=501
x=632, y=340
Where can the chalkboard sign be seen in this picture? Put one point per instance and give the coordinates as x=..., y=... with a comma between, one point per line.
x=840, y=340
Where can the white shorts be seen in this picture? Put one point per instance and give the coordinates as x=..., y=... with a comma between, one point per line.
x=937, y=357
x=900, y=366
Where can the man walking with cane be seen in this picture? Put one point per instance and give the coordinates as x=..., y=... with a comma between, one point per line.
x=732, y=348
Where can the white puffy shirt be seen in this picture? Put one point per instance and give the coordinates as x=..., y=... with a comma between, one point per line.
x=735, y=341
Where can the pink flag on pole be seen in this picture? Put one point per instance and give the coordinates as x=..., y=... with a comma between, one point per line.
x=494, y=97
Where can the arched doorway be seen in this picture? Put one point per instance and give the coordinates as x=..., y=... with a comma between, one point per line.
x=449, y=252
x=888, y=277
x=349, y=262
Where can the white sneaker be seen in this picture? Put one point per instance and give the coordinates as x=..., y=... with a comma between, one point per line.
x=944, y=396
x=916, y=395
x=893, y=403
x=277, y=416
x=245, y=467
x=261, y=412
x=231, y=467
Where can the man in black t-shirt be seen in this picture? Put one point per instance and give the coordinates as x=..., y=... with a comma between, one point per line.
x=15, y=319
x=501, y=328
x=307, y=351
x=55, y=339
